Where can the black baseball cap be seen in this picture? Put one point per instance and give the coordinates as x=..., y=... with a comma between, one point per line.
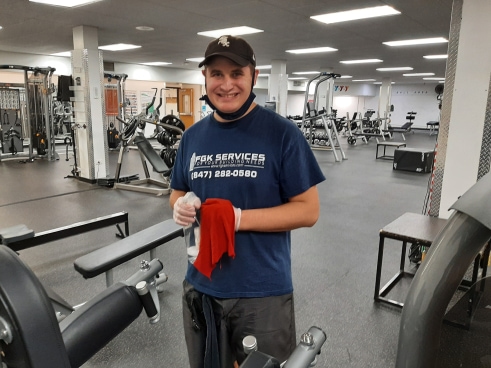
x=231, y=47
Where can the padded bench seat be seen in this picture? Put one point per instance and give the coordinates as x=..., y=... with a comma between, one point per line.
x=15, y=233
x=106, y=258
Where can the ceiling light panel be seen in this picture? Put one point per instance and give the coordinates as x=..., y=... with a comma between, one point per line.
x=63, y=53
x=417, y=74
x=361, y=61
x=394, y=69
x=119, y=47
x=344, y=16
x=420, y=41
x=435, y=56
x=234, y=31
x=157, y=63
x=196, y=60
x=311, y=50
x=301, y=73
x=145, y=28
x=65, y=3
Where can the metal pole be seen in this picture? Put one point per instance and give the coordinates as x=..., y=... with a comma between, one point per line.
x=28, y=115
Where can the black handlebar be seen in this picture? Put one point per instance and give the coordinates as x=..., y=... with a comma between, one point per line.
x=153, y=101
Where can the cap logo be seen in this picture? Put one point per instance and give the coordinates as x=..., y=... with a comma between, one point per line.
x=224, y=41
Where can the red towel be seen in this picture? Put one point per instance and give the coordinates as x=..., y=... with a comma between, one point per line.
x=217, y=228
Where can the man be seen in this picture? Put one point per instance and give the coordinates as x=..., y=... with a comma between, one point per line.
x=261, y=163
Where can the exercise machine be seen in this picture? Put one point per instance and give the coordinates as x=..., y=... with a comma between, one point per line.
x=466, y=232
x=369, y=127
x=352, y=127
x=173, y=129
x=405, y=128
x=32, y=337
x=304, y=356
x=26, y=115
x=313, y=118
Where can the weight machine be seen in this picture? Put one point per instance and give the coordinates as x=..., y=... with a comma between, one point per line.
x=26, y=113
x=115, y=106
x=304, y=355
x=313, y=118
x=352, y=127
x=32, y=337
x=172, y=130
x=406, y=127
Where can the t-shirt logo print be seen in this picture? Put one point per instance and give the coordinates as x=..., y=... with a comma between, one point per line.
x=224, y=41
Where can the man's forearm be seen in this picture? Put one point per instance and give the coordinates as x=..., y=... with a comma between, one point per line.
x=301, y=211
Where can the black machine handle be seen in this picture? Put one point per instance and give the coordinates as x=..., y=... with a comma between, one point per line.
x=146, y=299
x=160, y=103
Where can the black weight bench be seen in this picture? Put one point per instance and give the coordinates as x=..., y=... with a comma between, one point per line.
x=406, y=128
x=106, y=258
x=148, y=184
x=433, y=127
x=20, y=237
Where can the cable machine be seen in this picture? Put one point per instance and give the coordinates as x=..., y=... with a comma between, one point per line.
x=313, y=118
x=115, y=107
x=26, y=113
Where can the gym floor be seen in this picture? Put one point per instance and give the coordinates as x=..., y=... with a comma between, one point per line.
x=334, y=262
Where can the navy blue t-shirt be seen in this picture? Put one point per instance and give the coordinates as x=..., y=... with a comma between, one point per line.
x=258, y=161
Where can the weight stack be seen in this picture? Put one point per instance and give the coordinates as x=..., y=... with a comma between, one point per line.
x=410, y=159
x=12, y=134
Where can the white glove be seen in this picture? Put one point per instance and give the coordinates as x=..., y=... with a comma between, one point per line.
x=238, y=214
x=185, y=209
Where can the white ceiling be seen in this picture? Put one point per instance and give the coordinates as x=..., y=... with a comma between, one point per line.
x=41, y=29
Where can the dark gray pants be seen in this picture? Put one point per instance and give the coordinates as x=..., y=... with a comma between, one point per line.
x=271, y=320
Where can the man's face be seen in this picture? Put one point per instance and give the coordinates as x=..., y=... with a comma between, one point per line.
x=228, y=85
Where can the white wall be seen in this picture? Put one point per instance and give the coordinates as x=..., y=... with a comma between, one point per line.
x=420, y=98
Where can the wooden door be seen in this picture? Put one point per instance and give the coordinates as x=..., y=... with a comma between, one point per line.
x=186, y=102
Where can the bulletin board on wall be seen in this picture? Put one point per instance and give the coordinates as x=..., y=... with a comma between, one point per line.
x=145, y=100
x=111, y=100
x=131, y=103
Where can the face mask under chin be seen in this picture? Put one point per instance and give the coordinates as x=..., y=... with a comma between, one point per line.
x=233, y=115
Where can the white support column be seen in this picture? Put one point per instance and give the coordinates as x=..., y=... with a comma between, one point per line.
x=278, y=86
x=462, y=155
x=384, y=101
x=89, y=106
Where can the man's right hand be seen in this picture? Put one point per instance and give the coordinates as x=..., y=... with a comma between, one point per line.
x=185, y=209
